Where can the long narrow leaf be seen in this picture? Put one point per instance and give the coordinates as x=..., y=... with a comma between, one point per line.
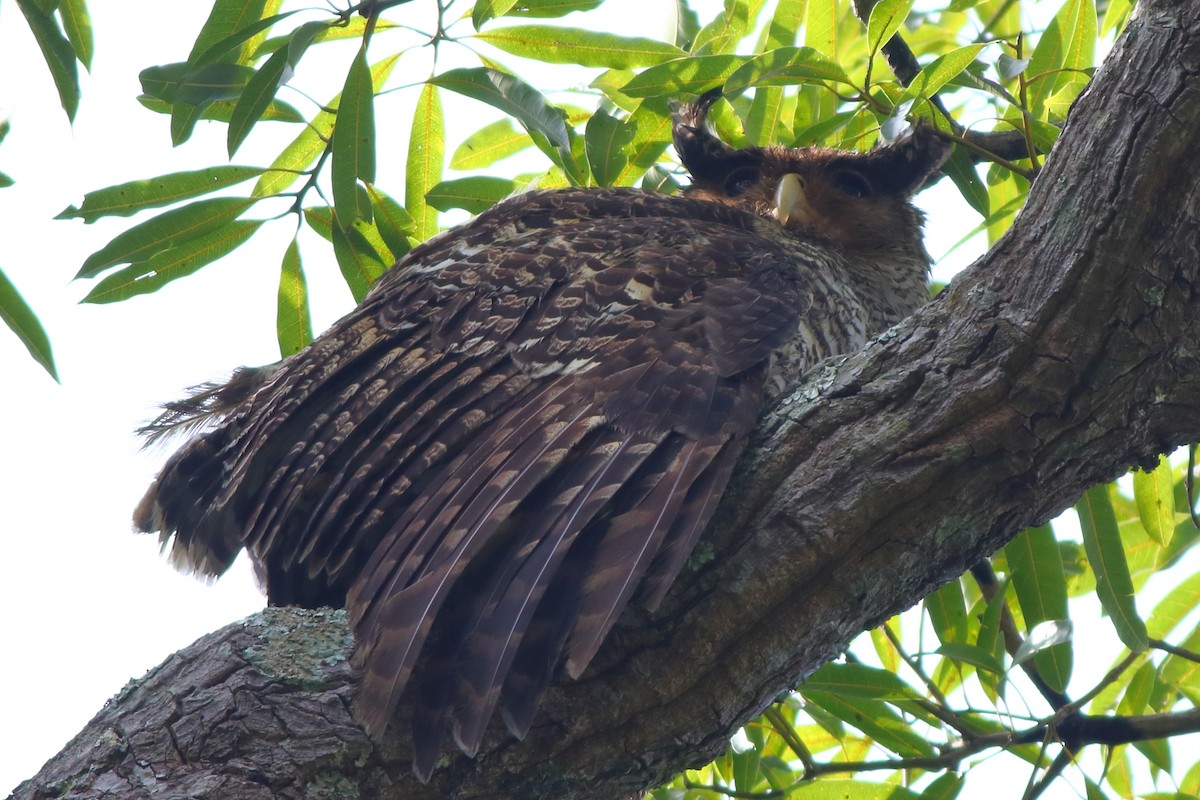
x=426, y=156
x=1106, y=555
x=77, y=25
x=293, y=320
x=512, y=96
x=58, y=53
x=691, y=75
x=21, y=320
x=786, y=67
x=588, y=48
x=174, y=262
x=605, y=140
x=1037, y=576
x=1154, y=493
x=886, y=18
x=396, y=228
x=125, y=199
x=489, y=144
x=354, y=143
x=225, y=19
x=168, y=229
x=474, y=194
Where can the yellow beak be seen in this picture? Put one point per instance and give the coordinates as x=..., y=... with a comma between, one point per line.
x=791, y=204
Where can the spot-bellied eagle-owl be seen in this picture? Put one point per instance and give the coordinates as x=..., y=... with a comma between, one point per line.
x=530, y=419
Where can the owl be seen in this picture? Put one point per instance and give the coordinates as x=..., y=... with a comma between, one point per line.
x=529, y=420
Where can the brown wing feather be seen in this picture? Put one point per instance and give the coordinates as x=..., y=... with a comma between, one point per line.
x=521, y=424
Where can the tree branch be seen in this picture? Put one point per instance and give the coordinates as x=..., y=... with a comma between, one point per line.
x=1064, y=356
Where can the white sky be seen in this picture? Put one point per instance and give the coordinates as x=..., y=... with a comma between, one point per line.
x=86, y=604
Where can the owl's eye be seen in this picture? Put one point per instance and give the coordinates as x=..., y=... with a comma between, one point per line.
x=852, y=183
x=741, y=180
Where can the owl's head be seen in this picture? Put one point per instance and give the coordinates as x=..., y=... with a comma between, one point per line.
x=859, y=202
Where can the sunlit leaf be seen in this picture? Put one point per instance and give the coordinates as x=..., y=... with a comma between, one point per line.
x=1174, y=609
x=475, y=194
x=171, y=263
x=77, y=25
x=394, y=224
x=489, y=144
x=512, y=96
x=354, y=142
x=546, y=9
x=180, y=83
x=947, y=612
x=1036, y=572
x=722, y=35
x=605, y=140
x=692, y=75
x=260, y=90
x=1154, y=493
x=858, y=680
x=293, y=320
x=651, y=125
x=129, y=198
x=304, y=150
x=225, y=19
x=1067, y=44
x=979, y=657
x=22, y=321
x=168, y=229
x=484, y=10
x=588, y=48
x=941, y=71
x=425, y=160
x=785, y=67
x=886, y=18
x=360, y=263
x=875, y=719
x=1106, y=554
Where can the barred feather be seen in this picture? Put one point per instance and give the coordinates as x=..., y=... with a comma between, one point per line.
x=529, y=421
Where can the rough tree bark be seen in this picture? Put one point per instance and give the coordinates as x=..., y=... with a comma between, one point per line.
x=1067, y=354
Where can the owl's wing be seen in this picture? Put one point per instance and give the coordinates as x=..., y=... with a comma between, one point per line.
x=527, y=420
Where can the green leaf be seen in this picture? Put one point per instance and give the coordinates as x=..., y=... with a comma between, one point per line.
x=232, y=48
x=484, y=10
x=886, y=18
x=1154, y=493
x=978, y=657
x=125, y=199
x=1036, y=572
x=360, y=263
x=254, y=100
x=293, y=321
x=512, y=96
x=1174, y=609
x=1068, y=43
x=1106, y=554
x=765, y=116
x=941, y=71
x=77, y=24
x=651, y=125
x=785, y=67
x=605, y=140
x=947, y=611
x=546, y=9
x=304, y=150
x=394, y=224
x=946, y=787
x=491, y=143
x=846, y=789
x=961, y=170
x=222, y=110
x=588, y=48
x=475, y=194
x=167, y=230
x=858, y=680
x=173, y=262
x=226, y=18
x=58, y=53
x=354, y=143
x=722, y=35
x=21, y=320
x=425, y=159
x=260, y=90
x=691, y=75
x=180, y=83
x=873, y=718
x=781, y=31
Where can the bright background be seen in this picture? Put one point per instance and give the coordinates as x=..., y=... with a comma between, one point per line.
x=85, y=605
